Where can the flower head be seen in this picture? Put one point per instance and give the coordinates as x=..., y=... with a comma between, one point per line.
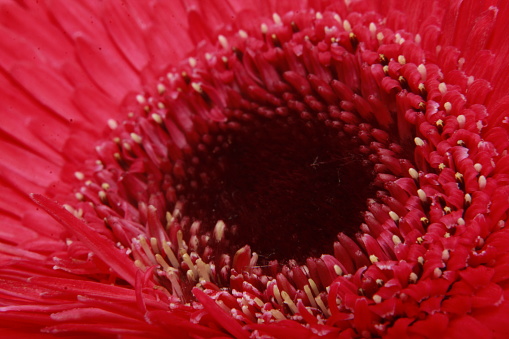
x=307, y=170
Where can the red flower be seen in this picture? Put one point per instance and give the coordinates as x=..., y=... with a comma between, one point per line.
x=304, y=169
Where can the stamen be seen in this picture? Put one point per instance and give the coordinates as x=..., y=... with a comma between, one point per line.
x=422, y=195
x=161, y=88
x=310, y=296
x=157, y=118
x=223, y=41
x=277, y=314
x=418, y=141
x=482, y=182
x=79, y=175
x=136, y=138
x=112, y=124
x=413, y=173
x=346, y=25
x=170, y=255
x=322, y=306
x=394, y=216
x=219, y=230
x=442, y=87
x=313, y=286
x=448, y=107
x=277, y=19
x=396, y=240
x=288, y=301
x=461, y=120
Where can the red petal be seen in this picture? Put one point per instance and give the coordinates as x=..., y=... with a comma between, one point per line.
x=102, y=247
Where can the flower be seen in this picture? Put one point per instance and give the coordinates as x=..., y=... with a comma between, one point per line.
x=304, y=169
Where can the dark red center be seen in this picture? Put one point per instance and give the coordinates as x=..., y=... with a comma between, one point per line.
x=284, y=186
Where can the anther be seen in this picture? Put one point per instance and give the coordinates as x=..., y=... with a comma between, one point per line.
x=277, y=314
x=403, y=81
x=141, y=99
x=102, y=196
x=396, y=240
x=459, y=179
x=422, y=90
x=422, y=195
x=136, y=138
x=372, y=29
x=219, y=230
x=169, y=254
x=442, y=87
x=482, y=182
x=79, y=175
x=294, y=26
x=394, y=216
x=277, y=294
x=383, y=59
x=461, y=120
x=275, y=40
x=112, y=124
x=447, y=107
x=186, y=79
x=422, y=71
x=310, y=296
x=418, y=141
x=413, y=173
x=322, y=306
x=346, y=26
x=157, y=118
x=243, y=34
x=160, y=260
x=223, y=41
x=197, y=87
x=277, y=19
x=445, y=255
x=264, y=29
x=313, y=286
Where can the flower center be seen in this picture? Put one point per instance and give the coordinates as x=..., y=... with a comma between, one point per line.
x=284, y=185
